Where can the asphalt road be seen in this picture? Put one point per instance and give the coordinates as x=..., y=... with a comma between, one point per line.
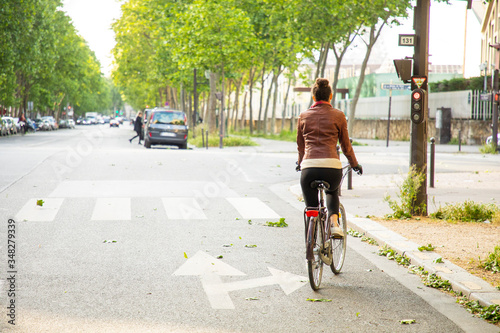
x=166, y=240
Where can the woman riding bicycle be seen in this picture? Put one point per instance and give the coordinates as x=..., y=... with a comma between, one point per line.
x=318, y=130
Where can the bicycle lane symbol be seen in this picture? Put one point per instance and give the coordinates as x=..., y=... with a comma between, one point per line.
x=210, y=270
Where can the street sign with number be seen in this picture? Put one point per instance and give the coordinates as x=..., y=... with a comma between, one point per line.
x=406, y=40
x=485, y=97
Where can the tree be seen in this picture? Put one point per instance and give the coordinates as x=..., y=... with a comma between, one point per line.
x=378, y=13
x=210, y=35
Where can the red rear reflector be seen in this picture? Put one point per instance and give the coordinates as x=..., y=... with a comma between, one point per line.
x=312, y=213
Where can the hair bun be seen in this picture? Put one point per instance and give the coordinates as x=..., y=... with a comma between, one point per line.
x=320, y=82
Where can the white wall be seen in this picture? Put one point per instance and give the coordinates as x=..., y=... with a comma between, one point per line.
x=378, y=107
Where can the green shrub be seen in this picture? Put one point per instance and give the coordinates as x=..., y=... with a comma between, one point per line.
x=231, y=141
x=284, y=135
x=469, y=211
x=488, y=149
x=407, y=195
x=493, y=261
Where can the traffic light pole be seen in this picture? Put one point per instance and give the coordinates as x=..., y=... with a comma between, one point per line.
x=418, y=139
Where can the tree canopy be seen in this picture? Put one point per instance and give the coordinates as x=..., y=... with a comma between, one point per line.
x=161, y=42
x=44, y=60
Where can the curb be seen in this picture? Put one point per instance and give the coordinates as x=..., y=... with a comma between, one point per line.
x=461, y=281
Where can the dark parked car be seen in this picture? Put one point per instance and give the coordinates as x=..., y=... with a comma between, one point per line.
x=166, y=127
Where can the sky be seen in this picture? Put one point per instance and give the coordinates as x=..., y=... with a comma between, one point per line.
x=93, y=19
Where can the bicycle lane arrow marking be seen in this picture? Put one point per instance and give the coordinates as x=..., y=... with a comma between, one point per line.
x=210, y=270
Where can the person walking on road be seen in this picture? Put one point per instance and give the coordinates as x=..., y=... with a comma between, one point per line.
x=318, y=130
x=138, y=127
x=23, y=123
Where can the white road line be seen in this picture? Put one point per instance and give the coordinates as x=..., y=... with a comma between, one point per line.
x=33, y=212
x=252, y=208
x=141, y=189
x=112, y=209
x=183, y=209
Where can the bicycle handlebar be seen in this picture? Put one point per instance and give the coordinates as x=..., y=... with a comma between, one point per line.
x=347, y=167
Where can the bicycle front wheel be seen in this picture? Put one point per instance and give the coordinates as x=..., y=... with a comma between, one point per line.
x=339, y=245
x=314, y=246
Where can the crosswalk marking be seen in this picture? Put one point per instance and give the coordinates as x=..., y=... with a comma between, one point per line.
x=119, y=209
x=46, y=212
x=252, y=208
x=112, y=209
x=183, y=209
x=141, y=189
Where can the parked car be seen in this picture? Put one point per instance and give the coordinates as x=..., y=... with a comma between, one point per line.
x=43, y=125
x=11, y=125
x=166, y=127
x=114, y=123
x=4, y=129
x=90, y=121
x=52, y=122
x=489, y=140
x=18, y=124
x=79, y=121
x=64, y=123
x=71, y=123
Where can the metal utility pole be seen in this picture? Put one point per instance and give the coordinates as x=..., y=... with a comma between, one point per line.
x=418, y=140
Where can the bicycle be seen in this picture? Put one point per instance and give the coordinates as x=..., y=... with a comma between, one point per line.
x=321, y=248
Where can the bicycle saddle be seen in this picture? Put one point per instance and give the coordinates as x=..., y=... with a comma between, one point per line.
x=316, y=183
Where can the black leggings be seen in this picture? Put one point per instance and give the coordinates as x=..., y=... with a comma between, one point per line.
x=138, y=135
x=329, y=175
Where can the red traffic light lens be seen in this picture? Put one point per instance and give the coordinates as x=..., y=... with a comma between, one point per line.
x=416, y=95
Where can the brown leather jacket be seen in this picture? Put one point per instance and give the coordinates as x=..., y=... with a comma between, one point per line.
x=318, y=131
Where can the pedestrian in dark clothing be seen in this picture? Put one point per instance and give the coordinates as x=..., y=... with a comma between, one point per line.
x=138, y=127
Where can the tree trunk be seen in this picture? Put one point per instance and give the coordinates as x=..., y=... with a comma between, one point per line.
x=374, y=35
x=339, y=58
x=204, y=108
x=325, y=58
x=175, y=102
x=259, y=124
x=283, y=114
x=244, y=112
x=275, y=101
x=318, y=64
x=228, y=104
x=237, y=102
x=250, y=107
x=269, y=92
x=212, y=126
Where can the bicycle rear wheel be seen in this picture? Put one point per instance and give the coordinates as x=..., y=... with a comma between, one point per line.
x=314, y=246
x=339, y=245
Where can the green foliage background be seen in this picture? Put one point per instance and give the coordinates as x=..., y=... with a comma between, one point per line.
x=44, y=60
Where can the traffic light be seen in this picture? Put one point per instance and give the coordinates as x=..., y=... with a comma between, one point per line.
x=403, y=69
x=497, y=98
x=417, y=106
